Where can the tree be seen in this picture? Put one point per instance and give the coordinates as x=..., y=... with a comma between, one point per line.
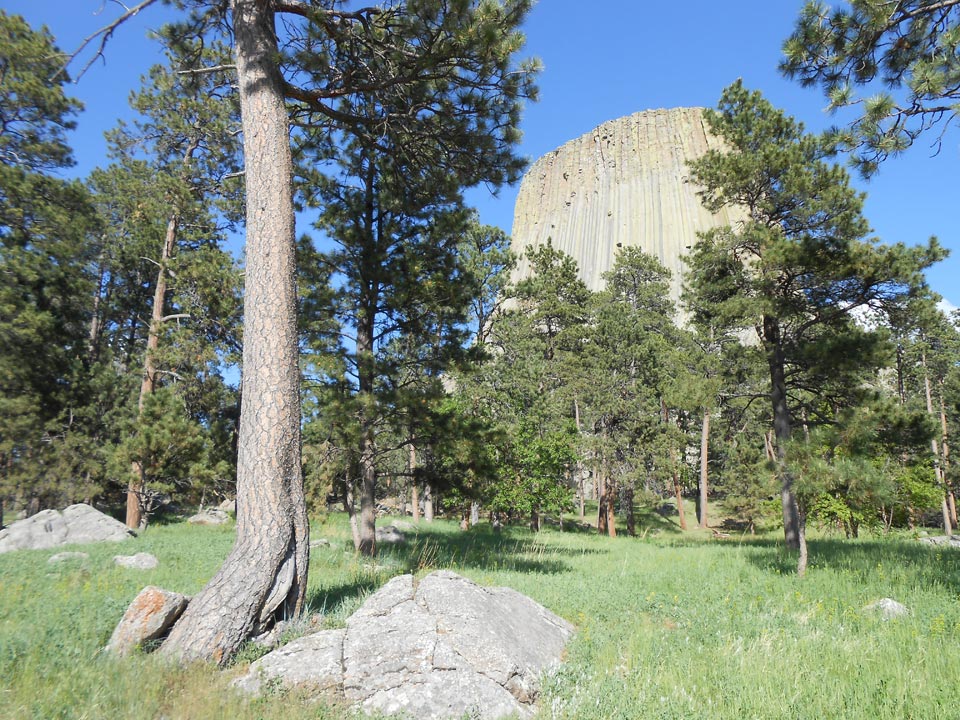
x=909, y=51
x=266, y=570
x=45, y=223
x=629, y=370
x=187, y=132
x=524, y=391
x=799, y=268
x=265, y=574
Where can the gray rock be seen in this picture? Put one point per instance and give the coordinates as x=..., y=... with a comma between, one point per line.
x=66, y=557
x=210, y=516
x=140, y=561
x=390, y=535
x=944, y=540
x=445, y=648
x=320, y=542
x=313, y=661
x=149, y=616
x=887, y=609
x=88, y=525
x=404, y=526
x=228, y=506
x=77, y=524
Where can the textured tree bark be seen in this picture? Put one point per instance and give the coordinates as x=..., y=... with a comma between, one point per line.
x=631, y=515
x=945, y=454
x=427, y=502
x=802, y=558
x=148, y=382
x=265, y=574
x=350, y=505
x=704, y=475
x=602, y=515
x=677, y=490
x=781, y=429
x=414, y=489
x=678, y=493
x=611, y=507
x=934, y=446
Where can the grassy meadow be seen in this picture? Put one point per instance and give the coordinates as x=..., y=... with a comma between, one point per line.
x=670, y=625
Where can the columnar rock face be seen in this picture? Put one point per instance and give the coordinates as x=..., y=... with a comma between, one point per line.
x=624, y=184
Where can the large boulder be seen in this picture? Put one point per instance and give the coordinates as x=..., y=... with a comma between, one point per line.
x=149, y=616
x=441, y=649
x=77, y=524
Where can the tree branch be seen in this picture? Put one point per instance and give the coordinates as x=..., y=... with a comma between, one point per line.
x=104, y=33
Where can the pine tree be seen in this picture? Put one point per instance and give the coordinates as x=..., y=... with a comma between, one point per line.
x=45, y=223
x=798, y=269
x=186, y=133
x=907, y=52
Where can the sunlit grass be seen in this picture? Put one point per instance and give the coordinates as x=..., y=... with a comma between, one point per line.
x=671, y=626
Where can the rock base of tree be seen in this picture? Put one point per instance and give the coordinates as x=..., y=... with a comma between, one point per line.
x=439, y=649
x=76, y=525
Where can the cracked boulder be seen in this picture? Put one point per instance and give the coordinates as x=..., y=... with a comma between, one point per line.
x=439, y=649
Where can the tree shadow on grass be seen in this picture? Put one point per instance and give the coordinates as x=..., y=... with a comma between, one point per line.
x=441, y=546
x=330, y=601
x=863, y=559
x=480, y=548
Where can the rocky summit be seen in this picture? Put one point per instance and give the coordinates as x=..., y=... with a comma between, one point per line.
x=625, y=184
x=440, y=648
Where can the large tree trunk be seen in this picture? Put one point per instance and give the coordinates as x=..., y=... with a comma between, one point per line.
x=934, y=447
x=428, y=502
x=945, y=454
x=781, y=429
x=675, y=471
x=704, y=462
x=414, y=488
x=631, y=515
x=148, y=382
x=611, y=505
x=602, y=514
x=350, y=505
x=265, y=574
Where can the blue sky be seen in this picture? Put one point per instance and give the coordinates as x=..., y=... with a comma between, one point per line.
x=602, y=60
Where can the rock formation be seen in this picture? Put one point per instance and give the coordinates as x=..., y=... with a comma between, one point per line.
x=624, y=184
x=444, y=648
x=77, y=524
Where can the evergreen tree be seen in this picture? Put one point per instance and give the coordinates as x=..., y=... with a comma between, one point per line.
x=45, y=223
x=177, y=172
x=907, y=52
x=798, y=269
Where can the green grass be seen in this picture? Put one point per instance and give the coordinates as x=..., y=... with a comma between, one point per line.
x=671, y=626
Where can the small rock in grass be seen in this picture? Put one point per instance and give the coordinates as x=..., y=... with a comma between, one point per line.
x=320, y=542
x=149, y=616
x=390, y=535
x=140, y=561
x=66, y=557
x=210, y=516
x=948, y=540
x=887, y=608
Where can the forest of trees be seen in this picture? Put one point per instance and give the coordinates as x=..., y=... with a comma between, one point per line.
x=812, y=378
